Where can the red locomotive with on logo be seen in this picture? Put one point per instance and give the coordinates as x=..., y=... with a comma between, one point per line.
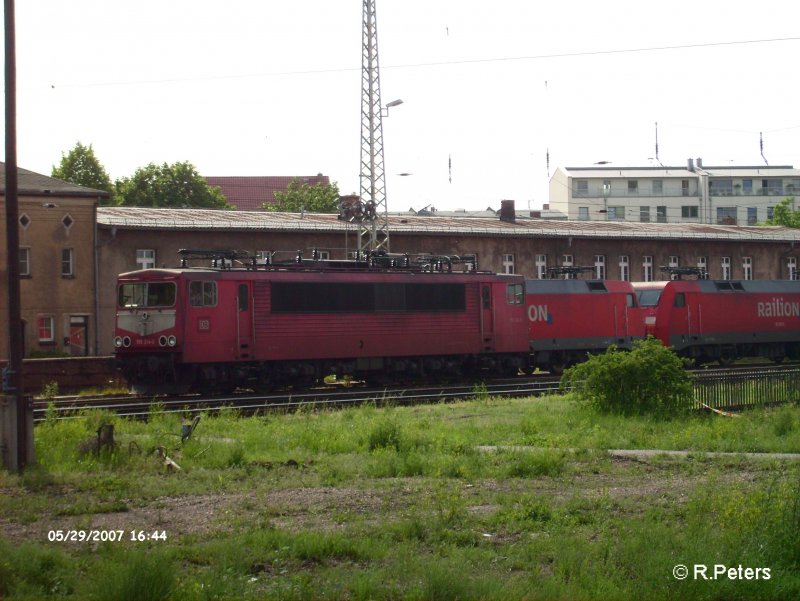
x=570, y=318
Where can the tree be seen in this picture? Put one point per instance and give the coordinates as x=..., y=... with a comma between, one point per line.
x=319, y=198
x=176, y=186
x=785, y=214
x=80, y=166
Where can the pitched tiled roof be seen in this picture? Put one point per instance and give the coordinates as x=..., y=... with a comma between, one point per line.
x=36, y=184
x=209, y=219
x=249, y=193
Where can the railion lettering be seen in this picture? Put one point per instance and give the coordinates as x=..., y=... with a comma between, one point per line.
x=778, y=307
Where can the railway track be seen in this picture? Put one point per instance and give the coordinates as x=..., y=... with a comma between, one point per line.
x=249, y=403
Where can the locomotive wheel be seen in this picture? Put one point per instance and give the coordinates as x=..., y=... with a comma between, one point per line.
x=726, y=359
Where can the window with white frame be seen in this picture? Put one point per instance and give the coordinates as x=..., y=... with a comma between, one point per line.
x=726, y=268
x=747, y=268
x=324, y=255
x=145, y=258
x=624, y=268
x=600, y=267
x=791, y=266
x=568, y=261
x=67, y=266
x=508, y=263
x=583, y=213
x=46, y=328
x=541, y=267
x=25, y=262
x=647, y=268
x=673, y=263
x=644, y=214
x=702, y=265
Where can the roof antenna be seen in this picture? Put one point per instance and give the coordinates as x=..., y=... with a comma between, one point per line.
x=657, y=159
x=547, y=146
x=761, y=144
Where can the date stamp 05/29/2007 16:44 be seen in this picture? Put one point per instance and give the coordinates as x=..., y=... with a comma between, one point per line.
x=90, y=536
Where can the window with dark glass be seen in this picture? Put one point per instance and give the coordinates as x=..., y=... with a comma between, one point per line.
x=203, y=294
x=353, y=297
x=514, y=294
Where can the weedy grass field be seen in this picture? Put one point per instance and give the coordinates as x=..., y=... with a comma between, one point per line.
x=489, y=499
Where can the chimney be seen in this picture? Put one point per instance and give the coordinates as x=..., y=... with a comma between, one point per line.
x=507, y=211
x=699, y=163
x=690, y=166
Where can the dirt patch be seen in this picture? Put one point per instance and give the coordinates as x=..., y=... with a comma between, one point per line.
x=627, y=481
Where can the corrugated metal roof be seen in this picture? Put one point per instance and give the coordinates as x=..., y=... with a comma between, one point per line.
x=219, y=220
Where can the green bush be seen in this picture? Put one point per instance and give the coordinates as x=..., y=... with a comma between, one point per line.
x=650, y=379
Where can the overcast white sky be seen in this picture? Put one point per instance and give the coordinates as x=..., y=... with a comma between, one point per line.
x=274, y=88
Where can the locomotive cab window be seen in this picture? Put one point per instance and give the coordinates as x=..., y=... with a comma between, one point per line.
x=514, y=295
x=147, y=294
x=649, y=298
x=203, y=294
x=680, y=299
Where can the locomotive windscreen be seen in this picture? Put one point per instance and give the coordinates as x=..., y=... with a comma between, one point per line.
x=313, y=297
x=146, y=294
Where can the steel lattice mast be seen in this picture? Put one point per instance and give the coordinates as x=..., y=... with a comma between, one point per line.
x=374, y=218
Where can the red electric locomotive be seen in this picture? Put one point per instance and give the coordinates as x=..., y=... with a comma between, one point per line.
x=265, y=325
x=723, y=320
x=570, y=318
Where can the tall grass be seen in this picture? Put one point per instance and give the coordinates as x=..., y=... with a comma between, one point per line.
x=400, y=504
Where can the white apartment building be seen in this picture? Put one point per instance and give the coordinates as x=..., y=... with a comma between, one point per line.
x=693, y=194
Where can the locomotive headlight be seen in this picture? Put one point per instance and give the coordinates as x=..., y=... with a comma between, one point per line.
x=126, y=342
x=118, y=341
x=162, y=341
x=172, y=341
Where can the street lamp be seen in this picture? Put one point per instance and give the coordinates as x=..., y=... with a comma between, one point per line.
x=385, y=111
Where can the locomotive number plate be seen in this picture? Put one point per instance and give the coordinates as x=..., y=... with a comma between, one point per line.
x=203, y=324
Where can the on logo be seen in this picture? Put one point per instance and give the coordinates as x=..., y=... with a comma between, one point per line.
x=539, y=313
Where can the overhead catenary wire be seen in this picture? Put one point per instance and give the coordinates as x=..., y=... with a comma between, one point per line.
x=419, y=65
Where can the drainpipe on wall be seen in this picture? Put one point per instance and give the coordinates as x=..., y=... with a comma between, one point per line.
x=96, y=281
